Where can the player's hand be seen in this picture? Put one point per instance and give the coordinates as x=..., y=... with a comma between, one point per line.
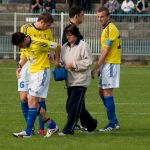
x=94, y=73
x=57, y=64
x=98, y=73
x=52, y=58
x=18, y=70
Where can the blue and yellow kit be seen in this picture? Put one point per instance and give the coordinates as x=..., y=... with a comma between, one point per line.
x=113, y=41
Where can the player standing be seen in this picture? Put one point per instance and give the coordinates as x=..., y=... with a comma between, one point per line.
x=39, y=29
x=37, y=53
x=109, y=64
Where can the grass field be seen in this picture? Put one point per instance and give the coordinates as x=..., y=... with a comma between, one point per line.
x=132, y=107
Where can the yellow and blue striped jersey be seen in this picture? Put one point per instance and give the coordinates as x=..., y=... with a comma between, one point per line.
x=31, y=30
x=37, y=53
x=110, y=34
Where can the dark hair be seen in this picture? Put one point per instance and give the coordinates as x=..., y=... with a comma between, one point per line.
x=74, y=11
x=46, y=17
x=17, y=38
x=101, y=9
x=73, y=29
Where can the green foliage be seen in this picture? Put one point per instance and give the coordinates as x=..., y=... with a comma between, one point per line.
x=132, y=107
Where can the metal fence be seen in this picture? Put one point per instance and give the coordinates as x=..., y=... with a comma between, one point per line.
x=135, y=32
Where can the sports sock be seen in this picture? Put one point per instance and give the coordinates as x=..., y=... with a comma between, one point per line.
x=103, y=99
x=41, y=123
x=30, y=120
x=51, y=124
x=25, y=108
x=116, y=120
x=110, y=108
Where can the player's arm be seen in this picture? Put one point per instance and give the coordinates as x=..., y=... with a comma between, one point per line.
x=43, y=45
x=56, y=48
x=23, y=60
x=113, y=34
x=102, y=57
x=57, y=55
x=21, y=63
x=46, y=45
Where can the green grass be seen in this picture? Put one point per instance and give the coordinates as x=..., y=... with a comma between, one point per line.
x=132, y=107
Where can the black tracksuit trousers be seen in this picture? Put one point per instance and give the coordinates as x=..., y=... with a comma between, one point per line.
x=75, y=107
